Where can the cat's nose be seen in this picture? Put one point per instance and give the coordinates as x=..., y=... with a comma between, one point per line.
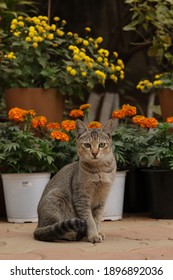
x=94, y=154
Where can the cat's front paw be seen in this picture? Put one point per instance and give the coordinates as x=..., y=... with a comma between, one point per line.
x=95, y=238
x=102, y=235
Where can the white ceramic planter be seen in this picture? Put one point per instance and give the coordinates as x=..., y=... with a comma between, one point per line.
x=113, y=209
x=22, y=193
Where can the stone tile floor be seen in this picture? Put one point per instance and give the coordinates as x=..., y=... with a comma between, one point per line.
x=135, y=237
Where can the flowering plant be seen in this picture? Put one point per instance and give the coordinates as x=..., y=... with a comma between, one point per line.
x=38, y=54
x=28, y=143
x=164, y=80
x=141, y=141
x=129, y=137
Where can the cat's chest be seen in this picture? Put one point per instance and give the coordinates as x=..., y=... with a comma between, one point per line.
x=100, y=178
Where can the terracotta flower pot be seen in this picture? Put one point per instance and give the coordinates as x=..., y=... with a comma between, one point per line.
x=46, y=102
x=166, y=102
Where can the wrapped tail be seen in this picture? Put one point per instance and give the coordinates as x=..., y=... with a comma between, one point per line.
x=72, y=229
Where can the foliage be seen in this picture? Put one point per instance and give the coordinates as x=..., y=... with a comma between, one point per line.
x=130, y=136
x=153, y=20
x=10, y=9
x=38, y=54
x=164, y=80
x=159, y=147
x=29, y=144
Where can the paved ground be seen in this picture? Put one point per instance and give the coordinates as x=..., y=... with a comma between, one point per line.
x=132, y=238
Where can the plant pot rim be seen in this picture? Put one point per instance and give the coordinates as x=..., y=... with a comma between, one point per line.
x=156, y=170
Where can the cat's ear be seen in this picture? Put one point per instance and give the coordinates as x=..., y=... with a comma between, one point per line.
x=80, y=128
x=108, y=128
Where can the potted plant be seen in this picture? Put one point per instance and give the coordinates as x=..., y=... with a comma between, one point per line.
x=31, y=148
x=155, y=31
x=130, y=141
x=26, y=160
x=159, y=173
x=161, y=84
x=36, y=54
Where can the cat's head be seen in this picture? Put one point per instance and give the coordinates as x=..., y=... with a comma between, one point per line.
x=94, y=143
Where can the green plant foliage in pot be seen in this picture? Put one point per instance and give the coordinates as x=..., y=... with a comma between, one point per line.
x=38, y=54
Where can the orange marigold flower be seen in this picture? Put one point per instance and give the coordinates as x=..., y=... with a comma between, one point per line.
x=94, y=124
x=53, y=125
x=137, y=119
x=149, y=123
x=39, y=121
x=31, y=113
x=118, y=114
x=85, y=106
x=17, y=114
x=68, y=125
x=76, y=113
x=169, y=120
x=59, y=135
x=129, y=110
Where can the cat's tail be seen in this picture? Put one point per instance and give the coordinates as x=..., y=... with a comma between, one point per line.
x=72, y=229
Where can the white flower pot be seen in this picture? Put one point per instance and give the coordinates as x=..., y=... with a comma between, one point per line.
x=113, y=209
x=22, y=193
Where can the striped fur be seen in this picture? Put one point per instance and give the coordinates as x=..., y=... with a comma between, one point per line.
x=72, y=203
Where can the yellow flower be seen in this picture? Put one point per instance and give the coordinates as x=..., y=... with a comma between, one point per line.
x=40, y=29
x=68, y=68
x=28, y=39
x=47, y=27
x=113, y=77
x=13, y=26
x=70, y=34
x=64, y=22
x=50, y=36
x=31, y=34
x=56, y=18
x=100, y=74
x=83, y=74
x=59, y=32
x=88, y=29
x=118, y=68
x=85, y=43
x=53, y=27
x=20, y=18
x=115, y=54
x=35, y=45
x=76, y=57
x=106, y=64
x=99, y=59
x=35, y=38
x=16, y=34
x=99, y=40
x=73, y=72
x=21, y=23
x=157, y=83
x=14, y=21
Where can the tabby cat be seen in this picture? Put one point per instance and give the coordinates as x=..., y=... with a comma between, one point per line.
x=72, y=203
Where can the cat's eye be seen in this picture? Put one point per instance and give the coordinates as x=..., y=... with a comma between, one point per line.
x=87, y=145
x=101, y=145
